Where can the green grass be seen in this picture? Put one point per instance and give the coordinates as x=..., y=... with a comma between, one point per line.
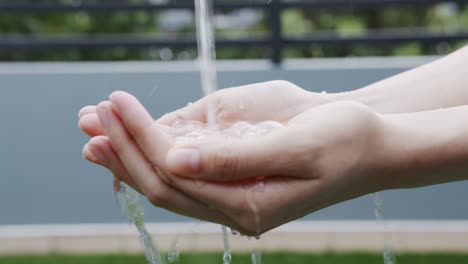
x=268, y=258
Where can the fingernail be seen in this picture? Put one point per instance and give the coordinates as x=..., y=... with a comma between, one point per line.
x=184, y=160
x=98, y=154
x=88, y=155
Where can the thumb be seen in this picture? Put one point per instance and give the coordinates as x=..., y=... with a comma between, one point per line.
x=229, y=160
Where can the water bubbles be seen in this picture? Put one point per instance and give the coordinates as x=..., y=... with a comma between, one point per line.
x=190, y=131
x=182, y=128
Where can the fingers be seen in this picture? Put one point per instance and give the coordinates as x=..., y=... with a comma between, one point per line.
x=143, y=173
x=90, y=124
x=126, y=150
x=232, y=199
x=152, y=141
x=90, y=109
x=230, y=160
x=99, y=151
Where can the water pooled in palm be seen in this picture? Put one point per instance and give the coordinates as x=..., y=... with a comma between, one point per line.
x=190, y=131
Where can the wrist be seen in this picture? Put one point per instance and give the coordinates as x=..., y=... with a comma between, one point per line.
x=421, y=149
x=365, y=96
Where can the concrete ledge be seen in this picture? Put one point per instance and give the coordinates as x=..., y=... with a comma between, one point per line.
x=348, y=63
x=310, y=236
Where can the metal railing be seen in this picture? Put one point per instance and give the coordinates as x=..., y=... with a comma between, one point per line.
x=275, y=39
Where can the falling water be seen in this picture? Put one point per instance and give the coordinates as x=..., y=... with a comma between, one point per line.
x=174, y=253
x=206, y=60
x=388, y=256
x=132, y=208
x=256, y=257
x=206, y=51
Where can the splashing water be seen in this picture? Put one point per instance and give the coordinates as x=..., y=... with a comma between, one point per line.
x=131, y=207
x=388, y=256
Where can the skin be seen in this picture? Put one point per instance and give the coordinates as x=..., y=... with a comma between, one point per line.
x=308, y=165
x=439, y=84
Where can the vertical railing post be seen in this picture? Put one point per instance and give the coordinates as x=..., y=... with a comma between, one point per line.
x=276, y=34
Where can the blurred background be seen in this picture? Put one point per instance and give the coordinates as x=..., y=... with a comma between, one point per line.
x=58, y=56
x=90, y=30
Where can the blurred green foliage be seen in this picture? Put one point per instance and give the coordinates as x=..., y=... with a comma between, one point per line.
x=347, y=21
x=268, y=257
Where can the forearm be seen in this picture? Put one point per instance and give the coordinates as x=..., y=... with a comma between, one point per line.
x=421, y=149
x=439, y=84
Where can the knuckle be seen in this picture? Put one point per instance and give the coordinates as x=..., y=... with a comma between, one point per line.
x=158, y=197
x=226, y=163
x=166, y=177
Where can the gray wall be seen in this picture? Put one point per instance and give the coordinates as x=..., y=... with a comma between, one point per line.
x=45, y=180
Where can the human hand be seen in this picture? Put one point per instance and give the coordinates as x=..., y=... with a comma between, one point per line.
x=240, y=103
x=301, y=176
x=99, y=149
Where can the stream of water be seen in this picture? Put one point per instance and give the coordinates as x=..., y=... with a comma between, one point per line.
x=209, y=82
x=132, y=208
x=388, y=256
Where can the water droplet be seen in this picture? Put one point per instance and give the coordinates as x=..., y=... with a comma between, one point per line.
x=260, y=185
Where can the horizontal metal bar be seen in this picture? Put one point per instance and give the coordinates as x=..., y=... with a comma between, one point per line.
x=362, y=3
x=15, y=43
x=379, y=38
x=111, y=7
x=50, y=8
